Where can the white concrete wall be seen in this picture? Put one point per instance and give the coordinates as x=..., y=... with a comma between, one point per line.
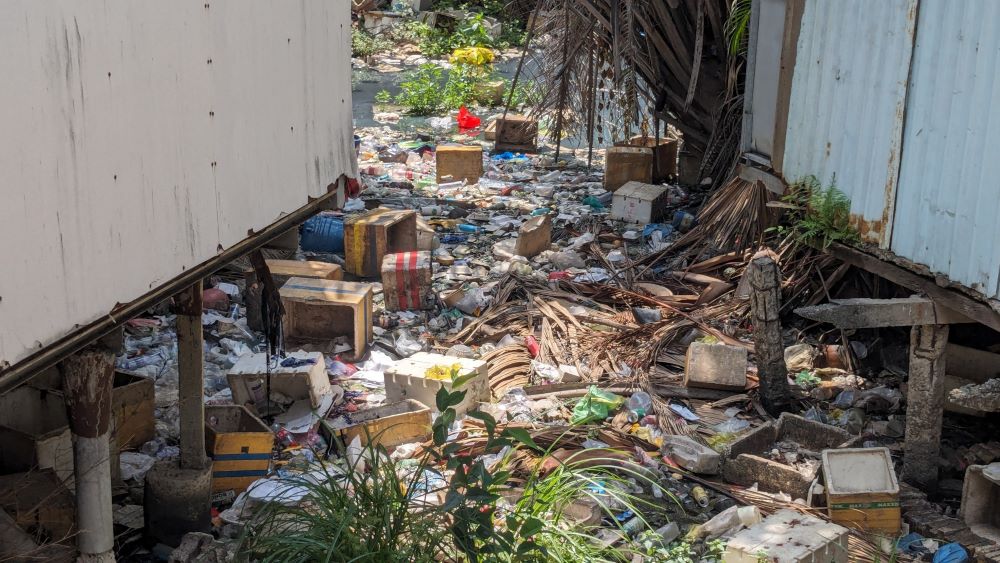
x=140, y=137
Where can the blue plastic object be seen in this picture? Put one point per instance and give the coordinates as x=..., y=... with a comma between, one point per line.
x=683, y=221
x=951, y=553
x=651, y=228
x=911, y=543
x=322, y=233
x=466, y=228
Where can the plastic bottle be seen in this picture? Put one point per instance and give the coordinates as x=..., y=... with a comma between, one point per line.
x=639, y=404
x=466, y=228
x=400, y=174
x=132, y=364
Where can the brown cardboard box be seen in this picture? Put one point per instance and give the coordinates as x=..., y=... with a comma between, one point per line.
x=458, y=162
x=534, y=236
x=664, y=155
x=516, y=133
x=321, y=310
x=368, y=237
x=624, y=164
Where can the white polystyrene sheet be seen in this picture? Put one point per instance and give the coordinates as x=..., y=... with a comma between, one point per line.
x=845, y=114
x=141, y=137
x=948, y=199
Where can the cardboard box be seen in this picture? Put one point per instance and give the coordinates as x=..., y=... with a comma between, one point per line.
x=281, y=270
x=321, y=310
x=248, y=379
x=40, y=505
x=240, y=445
x=640, y=203
x=664, y=155
x=34, y=432
x=369, y=236
x=624, y=164
x=534, y=236
x=459, y=162
x=406, y=281
x=861, y=489
x=406, y=380
x=388, y=425
x=133, y=402
x=516, y=133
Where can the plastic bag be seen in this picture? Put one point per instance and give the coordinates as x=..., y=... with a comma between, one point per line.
x=595, y=405
x=477, y=56
x=951, y=553
x=466, y=120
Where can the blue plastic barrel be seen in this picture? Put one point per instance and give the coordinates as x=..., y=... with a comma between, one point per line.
x=322, y=233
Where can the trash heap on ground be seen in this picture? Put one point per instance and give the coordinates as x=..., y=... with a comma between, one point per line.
x=601, y=328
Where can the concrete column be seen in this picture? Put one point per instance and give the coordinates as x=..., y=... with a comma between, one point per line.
x=87, y=382
x=191, y=375
x=765, y=304
x=178, y=495
x=924, y=405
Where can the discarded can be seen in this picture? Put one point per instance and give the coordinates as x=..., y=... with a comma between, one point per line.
x=700, y=496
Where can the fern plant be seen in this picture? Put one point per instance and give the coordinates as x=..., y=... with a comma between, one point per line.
x=821, y=216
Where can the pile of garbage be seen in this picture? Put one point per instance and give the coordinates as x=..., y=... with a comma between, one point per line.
x=590, y=322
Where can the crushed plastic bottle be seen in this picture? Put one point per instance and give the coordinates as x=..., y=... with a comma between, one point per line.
x=639, y=404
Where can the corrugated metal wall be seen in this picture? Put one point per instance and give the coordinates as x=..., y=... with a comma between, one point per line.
x=948, y=199
x=845, y=114
x=139, y=138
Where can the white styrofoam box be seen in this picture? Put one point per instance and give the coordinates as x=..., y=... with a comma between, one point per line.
x=980, y=498
x=304, y=382
x=636, y=202
x=853, y=471
x=405, y=380
x=789, y=536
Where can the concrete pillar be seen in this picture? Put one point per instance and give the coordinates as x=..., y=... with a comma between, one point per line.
x=924, y=405
x=178, y=495
x=87, y=381
x=191, y=375
x=765, y=304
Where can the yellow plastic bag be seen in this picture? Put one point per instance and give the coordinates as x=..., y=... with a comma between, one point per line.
x=477, y=56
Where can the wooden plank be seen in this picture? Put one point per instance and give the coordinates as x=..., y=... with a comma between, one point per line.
x=876, y=313
x=975, y=310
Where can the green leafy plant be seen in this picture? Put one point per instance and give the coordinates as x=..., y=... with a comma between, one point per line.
x=421, y=91
x=367, y=510
x=737, y=26
x=364, y=44
x=819, y=216
x=363, y=513
x=383, y=97
x=429, y=89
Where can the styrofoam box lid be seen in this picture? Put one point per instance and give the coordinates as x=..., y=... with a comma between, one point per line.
x=787, y=535
x=639, y=190
x=859, y=470
x=256, y=363
x=418, y=363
